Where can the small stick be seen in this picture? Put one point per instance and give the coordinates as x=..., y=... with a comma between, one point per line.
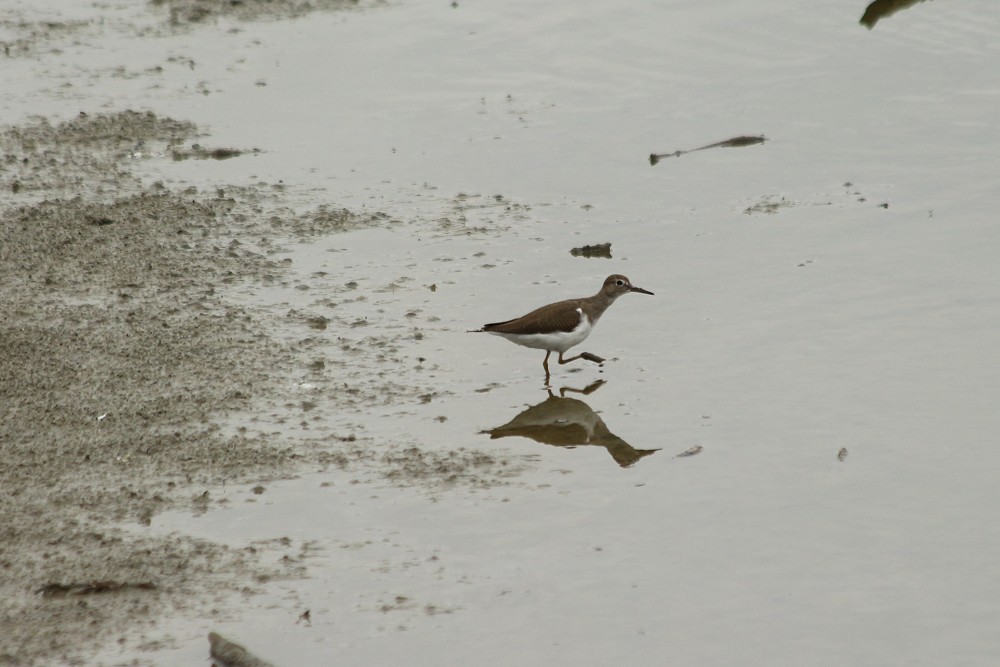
x=735, y=142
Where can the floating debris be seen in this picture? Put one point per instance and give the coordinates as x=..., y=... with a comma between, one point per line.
x=842, y=454
x=883, y=9
x=227, y=654
x=304, y=617
x=735, y=142
x=691, y=451
x=596, y=250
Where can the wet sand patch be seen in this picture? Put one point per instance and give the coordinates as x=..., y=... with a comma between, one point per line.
x=121, y=357
x=116, y=352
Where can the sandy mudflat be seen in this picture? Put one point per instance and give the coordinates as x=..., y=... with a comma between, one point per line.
x=122, y=365
x=117, y=360
x=115, y=353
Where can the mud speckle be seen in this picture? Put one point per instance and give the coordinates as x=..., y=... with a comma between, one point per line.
x=25, y=38
x=768, y=204
x=87, y=156
x=37, y=30
x=184, y=12
x=474, y=468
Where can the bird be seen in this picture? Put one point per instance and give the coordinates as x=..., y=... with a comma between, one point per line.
x=564, y=324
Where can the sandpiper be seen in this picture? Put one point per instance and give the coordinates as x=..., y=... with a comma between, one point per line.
x=559, y=326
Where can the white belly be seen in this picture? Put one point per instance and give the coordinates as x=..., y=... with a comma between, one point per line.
x=558, y=341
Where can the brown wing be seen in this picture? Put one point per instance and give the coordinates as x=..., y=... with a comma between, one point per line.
x=562, y=316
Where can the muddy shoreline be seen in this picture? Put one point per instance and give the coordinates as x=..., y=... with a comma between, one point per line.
x=117, y=357
x=121, y=359
x=127, y=374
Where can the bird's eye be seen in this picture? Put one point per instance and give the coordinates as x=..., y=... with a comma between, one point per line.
x=619, y=282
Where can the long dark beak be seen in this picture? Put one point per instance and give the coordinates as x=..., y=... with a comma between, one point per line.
x=641, y=291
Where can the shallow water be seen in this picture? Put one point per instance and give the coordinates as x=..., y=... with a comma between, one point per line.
x=836, y=286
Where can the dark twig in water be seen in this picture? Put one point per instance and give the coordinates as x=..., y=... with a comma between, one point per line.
x=735, y=142
x=93, y=588
x=199, y=152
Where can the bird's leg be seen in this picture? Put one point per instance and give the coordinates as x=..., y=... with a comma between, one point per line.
x=566, y=361
x=583, y=355
x=545, y=365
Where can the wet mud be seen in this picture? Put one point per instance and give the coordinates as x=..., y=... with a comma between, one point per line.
x=124, y=366
x=116, y=355
x=133, y=383
x=193, y=12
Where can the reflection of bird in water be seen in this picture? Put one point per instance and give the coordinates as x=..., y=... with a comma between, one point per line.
x=569, y=422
